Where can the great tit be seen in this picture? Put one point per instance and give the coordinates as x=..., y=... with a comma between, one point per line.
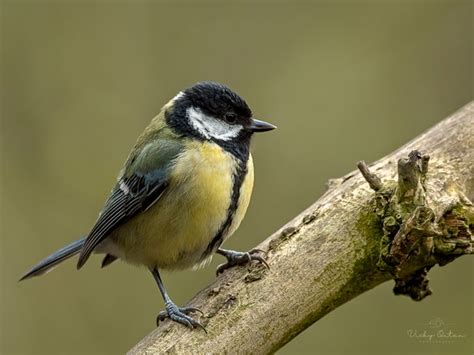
x=183, y=190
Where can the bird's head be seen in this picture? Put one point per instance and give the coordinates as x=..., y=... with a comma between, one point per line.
x=212, y=111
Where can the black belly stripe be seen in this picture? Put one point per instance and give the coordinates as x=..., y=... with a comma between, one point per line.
x=238, y=179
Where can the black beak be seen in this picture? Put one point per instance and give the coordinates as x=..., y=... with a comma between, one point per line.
x=260, y=126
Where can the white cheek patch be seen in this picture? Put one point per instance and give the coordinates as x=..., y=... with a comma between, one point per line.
x=211, y=127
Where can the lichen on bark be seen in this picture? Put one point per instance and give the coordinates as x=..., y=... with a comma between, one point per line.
x=414, y=237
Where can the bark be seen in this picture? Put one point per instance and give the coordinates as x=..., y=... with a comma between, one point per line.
x=394, y=219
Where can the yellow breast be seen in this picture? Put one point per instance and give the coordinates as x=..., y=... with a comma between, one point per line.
x=176, y=231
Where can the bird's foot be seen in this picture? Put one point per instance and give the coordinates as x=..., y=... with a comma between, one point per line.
x=180, y=315
x=239, y=258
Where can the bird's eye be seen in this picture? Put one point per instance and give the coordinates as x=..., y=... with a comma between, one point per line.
x=230, y=117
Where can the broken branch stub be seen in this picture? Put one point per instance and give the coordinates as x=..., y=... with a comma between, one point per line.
x=416, y=238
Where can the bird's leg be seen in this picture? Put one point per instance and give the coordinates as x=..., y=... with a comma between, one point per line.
x=175, y=313
x=239, y=258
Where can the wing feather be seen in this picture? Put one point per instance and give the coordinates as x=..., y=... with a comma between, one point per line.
x=144, y=179
x=130, y=196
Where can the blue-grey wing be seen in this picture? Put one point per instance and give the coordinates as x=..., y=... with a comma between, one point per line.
x=143, y=181
x=129, y=197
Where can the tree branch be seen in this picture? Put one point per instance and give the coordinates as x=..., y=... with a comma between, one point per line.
x=352, y=239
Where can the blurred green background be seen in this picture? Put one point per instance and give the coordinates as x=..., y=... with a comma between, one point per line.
x=343, y=81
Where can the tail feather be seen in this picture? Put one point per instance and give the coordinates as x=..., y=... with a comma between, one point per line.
x=54, y=259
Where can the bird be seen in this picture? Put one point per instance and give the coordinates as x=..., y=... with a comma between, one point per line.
x=183, y=190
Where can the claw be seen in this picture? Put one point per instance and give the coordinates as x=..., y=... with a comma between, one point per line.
x=192, y=309
x=221, y=267
x=261, y=260
x=240, y=258
x=180, y=315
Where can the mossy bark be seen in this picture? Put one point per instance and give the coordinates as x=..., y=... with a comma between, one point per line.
x=407, y=218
